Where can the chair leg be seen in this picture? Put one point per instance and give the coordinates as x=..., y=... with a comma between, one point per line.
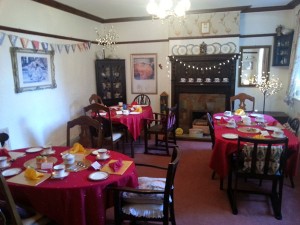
x=213, y=174
x=292, y=181
x=146, y=141
x=231, y=195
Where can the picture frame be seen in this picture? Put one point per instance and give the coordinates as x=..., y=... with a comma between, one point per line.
x=144, y=73
x=32, y=69
x=205, y=27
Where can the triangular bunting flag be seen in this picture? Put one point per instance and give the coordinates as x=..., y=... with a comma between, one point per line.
x=80, y=46
x=36, y=45
x=60, y=47
x=73, y=47
x=85, y=45
x=24, y=42
x=45, y=46
x=13, y=39
x=67, y=47
x=2, y=36
x=53, y=47
x=89, y=44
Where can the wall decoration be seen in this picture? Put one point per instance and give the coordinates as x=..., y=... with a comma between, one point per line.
x=143, y=73
x=205, y=28
x=32, y=69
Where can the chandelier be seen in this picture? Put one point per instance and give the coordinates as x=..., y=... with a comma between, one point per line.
x=161, y=9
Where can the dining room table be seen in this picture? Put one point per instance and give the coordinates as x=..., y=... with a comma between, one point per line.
x=82, y=196
x=226, y=139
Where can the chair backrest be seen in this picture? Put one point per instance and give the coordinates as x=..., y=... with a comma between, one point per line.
x=10, y=203
x=3, y=138
x=86, y=124
x=142, y=99
x=95, y=99
x=294, y=124
x=261, y=158
x=242, y=97
x=211, y=128
x=105, y=122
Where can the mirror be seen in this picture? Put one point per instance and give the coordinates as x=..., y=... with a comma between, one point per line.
x=254, y=62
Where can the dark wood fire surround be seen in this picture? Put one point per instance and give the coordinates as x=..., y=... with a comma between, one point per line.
x=209, y=66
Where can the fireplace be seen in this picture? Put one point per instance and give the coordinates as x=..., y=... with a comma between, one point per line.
x=193, y=95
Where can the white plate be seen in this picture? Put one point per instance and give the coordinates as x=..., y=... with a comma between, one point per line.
x=255, y=114
x=5, y=166
x=230, y=136
x=217, y=47
x=218, y=117
x=196, y=50
x=232, y=47
x=32, y=150
x=11, y=172
x=271, y=128
x=175, y=50
x=182, y=50
x=135, y=113
x=249, y=130
x=100, y=150
x=210, y=49
x=189, y=49
x=278, y=136
x=55, y=176
x=225, y=48
x=48, y=153
x=228, y=126
x=104, y=158
x=98, y=176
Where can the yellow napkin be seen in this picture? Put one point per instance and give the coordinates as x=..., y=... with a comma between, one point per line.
x=32, y=174
x=139, y=109
x=239, y=112
x=124, y=167
x=259, y=136
x=77, y=148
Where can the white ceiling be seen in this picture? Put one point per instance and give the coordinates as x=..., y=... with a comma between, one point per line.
x=112, y=9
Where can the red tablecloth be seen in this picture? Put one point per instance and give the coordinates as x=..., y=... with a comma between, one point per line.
x=225, y=147
x=134, y=122
x=75, y=200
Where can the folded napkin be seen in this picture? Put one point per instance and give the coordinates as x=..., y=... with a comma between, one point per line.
x=274, y=123
x=115, y=166
x=134, y=103
x=77, y=148
x=4, y=152
x=222, y=120
x=32, y=174
x=139, y=109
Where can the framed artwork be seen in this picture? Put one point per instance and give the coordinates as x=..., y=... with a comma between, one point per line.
x=32, y=69
x=144, y=73
x=205, y=27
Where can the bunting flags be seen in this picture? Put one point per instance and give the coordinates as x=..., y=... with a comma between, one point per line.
x=44, y=45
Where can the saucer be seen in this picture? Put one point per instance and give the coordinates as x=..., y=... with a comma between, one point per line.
x=56, y=176
x=5, y=166
x=11, y=172
x=47, y=153
x=105, y=158
x=100, y=150
x=228, y=126
x=278, y=136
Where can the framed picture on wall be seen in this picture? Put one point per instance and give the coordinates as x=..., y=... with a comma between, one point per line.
x=144, y=73
x=32, y=69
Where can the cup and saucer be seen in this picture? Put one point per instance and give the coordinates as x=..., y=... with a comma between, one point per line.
x=278, y=134
x=47, y=152
x=59, y=172
x=102, y=154
x=4, y=163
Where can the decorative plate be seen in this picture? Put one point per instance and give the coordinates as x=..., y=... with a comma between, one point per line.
x=230, y=136
x=232, y=47
x=217, y=47
x=210, y=49
x=98, y=176
x=225, y=48
x=189, y=49
x=175, y=50
x=196, y=50
x=182, y=50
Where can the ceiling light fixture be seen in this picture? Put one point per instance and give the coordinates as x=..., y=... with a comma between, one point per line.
x=162, y=9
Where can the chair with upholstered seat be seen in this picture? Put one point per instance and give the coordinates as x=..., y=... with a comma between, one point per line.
x=293, y=125
x=85, y=137
x=95, y=99
x=162, y=125
x=152, y=200
x=243, y=98
x=212, y=135
x=108, y=135
x=142, y=99
x=258, y=159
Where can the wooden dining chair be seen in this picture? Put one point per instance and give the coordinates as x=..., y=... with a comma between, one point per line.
x=108, y=135
x=87, y=125
x=152, y=200
x=162, y=125
x=212, y=135
x=95, y=99
x=258, y=159
x=13, y=214
x=142, y=99
x=243, y=98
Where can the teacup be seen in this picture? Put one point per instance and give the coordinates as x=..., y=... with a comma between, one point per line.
x=182, y=80
x=199, y=80
x=259, y=118
x=102, y=154
x=120, y=104
x=225, y=79
x=207, y=80
x=231, y=123
x=59, y=170
x=227, y=113
x=278, y=133
x=3, y=161
x=48, y=150
x=69, y=159
x=217, y=79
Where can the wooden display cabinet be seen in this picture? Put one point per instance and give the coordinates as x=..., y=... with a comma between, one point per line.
x=282, y=49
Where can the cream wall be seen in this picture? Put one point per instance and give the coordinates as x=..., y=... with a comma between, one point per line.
x=39, y=117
